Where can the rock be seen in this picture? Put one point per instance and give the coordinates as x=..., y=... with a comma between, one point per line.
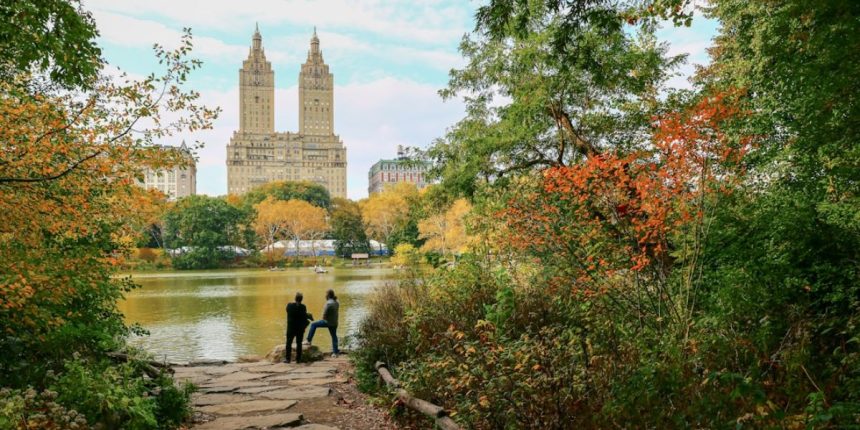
x=245, y=407
x=218, y=389
x=215, y=399
x=315, y=427
x=236, y=377
x=313, y=369
x=309, y=353
x=261, y=421
x=258, y=390
x=249, y=358
x=290, y=376
x=272, y=368
x=297, y=393
x=318, y=381
x=206, y=362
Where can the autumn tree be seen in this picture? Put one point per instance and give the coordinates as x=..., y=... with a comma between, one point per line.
x=74, y=142
x=387, y=211
x=269, y=222
x=445, y=232
x=302, y=220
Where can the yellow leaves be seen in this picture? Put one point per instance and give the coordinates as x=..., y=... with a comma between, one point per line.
x=446, y=232
x=484, y=402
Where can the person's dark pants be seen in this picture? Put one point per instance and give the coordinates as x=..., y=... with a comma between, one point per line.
x=297, y=335
x=332, y=330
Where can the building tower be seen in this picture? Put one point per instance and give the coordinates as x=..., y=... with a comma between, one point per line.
x=256, y=90
x=316, y=95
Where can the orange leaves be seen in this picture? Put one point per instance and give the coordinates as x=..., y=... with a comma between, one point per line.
x=619, y=211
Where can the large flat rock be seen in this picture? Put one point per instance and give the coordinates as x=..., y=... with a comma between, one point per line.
x=249, y=406
x=292, y=376
x=297, y=393
x=313, y=369
x=217, y=398
x=318, y=381
x=258, y=422
x=260, y=389
x=236, y=377
x=272, y=368
x=315, y=427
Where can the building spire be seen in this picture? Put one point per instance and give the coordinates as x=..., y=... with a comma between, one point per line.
x=257, y=40
x=315, y=43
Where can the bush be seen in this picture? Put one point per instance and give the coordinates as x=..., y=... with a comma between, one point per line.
x=119, y=396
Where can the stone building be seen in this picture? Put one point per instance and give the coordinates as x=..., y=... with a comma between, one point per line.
x=401, y=169
x=176, y=182
x=257, y=154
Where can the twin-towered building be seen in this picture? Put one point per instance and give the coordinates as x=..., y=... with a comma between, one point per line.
x=257, y=154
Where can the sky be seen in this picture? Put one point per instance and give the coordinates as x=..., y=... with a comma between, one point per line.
x=389, y=59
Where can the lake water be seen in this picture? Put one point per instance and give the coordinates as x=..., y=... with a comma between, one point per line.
x=228, y=313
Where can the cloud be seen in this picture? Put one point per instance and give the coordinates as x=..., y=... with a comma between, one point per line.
x=420, y=21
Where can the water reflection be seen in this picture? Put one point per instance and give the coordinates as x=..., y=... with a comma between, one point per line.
x=225, y=314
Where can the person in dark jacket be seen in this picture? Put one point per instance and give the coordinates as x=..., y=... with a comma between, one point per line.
x=297, y=320
x=329, y=320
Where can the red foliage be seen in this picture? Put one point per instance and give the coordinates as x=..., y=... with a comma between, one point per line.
x=617, y=211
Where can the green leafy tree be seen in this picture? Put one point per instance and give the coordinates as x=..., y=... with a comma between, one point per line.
x=55, y=37
x=203, y=224
x=310, y=192
x=347, y=228
x=540, y=94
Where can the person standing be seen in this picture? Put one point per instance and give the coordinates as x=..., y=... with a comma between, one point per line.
x=329, y=319
x=297, y=320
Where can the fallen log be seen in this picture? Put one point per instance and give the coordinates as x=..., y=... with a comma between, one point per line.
x=436, y=412
x=422, y=406
x=386, y=375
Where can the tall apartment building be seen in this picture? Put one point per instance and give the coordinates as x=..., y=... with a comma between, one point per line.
x=257, y=154
x=176, y=182
x=400, y=169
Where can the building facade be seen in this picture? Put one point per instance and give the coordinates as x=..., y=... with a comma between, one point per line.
x=401, y=169
x=257, y=154
x=176, y=182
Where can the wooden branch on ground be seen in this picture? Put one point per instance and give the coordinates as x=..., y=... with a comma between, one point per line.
x=433, y=411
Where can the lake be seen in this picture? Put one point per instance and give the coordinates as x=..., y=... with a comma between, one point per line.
x=223, y=314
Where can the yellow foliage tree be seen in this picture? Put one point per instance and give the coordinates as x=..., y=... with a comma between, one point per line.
x=387, y=211
x=270, y=222
x=302, y=220
x=445, y=232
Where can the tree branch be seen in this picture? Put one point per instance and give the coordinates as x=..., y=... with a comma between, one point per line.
x=53, y=177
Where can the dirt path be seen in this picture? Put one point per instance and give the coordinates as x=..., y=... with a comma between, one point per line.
x=266, y=395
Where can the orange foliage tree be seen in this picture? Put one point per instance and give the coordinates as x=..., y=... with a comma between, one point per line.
x=619, y=222
x=69, y=164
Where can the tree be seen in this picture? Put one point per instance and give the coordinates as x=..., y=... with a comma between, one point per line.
x=205, y=225
x=302, y=221
x=347, y=228
x=310, y=192
x=387, y=211
x=568, y=92
x=72, y=144
x=445, y=232
x=269, y=223
x=39, y=37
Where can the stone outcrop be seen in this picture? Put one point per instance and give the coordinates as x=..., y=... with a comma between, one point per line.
x=310, y=353
x=260, y=394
